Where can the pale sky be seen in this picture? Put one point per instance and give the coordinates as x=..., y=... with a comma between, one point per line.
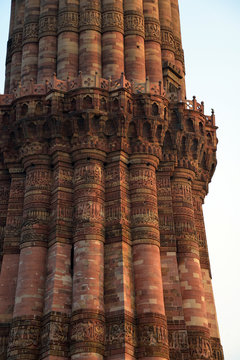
x=210, y=31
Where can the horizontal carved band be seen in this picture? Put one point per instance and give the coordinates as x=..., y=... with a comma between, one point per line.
x=24, y=336
x=87, y=328
x=120, y=330
x=4, y=334
x=112, y=20
x=54, y=334
x=30, y=32
x=47, y=26
x=167, y=40
x=152, y=29
x=178, y=340
x=68, y=21
x=217, y=350
x=134, y=23
x=153, y=336
x=90, y=20
x=200, y=346
x=17, y=38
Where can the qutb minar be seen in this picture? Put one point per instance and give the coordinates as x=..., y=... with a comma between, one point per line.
x=104, y=167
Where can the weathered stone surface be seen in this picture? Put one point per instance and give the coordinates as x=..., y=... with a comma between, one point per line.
x=104, y=167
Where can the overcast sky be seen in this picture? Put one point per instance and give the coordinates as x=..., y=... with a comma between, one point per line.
x=210, y=31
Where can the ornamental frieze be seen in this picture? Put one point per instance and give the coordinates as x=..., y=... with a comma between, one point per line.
x=90, y=211
x=167, y=40
x=121, y=332
x=38, y=178
x=134, y=23
x=149, y=335
x=47, y=26
x=152, y=29
x=90, y=20
x=17, y=41
x=141, y=216
x=24, y=336
x=68, y=21
x=200, y=347
x=113, y=21
x=178, y=340
x=89, y=174
x=88, y=330
x=54, y=332
x=30, y=32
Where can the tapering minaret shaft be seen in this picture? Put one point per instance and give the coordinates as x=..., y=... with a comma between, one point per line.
x=9, y=50
x=179, y=55
x=68, y=39
x=47, y=54
x=30, y=42
x=16, y=51
x=167, y=45
x=112, y=38
x=134, y=51
x=153, y=54
x=90, y=46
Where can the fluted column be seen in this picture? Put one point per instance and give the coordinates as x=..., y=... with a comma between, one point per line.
x=11, y=220
x=134, y=50
x=151, y=319
x=9, y=46
x=152, y=41
x=167, y=45
x=190, y=275
x=118, y=269
x=90, y=48
x=68, y=39
x=47, y=53
x=16, y=48
x=112, y=38
x=177, y=333
x=58, y=290
x=88, y=323
x=30, y=42
x=29, y=299
x=199, y=193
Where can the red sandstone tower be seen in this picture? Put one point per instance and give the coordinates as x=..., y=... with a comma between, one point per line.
x=104, y=167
